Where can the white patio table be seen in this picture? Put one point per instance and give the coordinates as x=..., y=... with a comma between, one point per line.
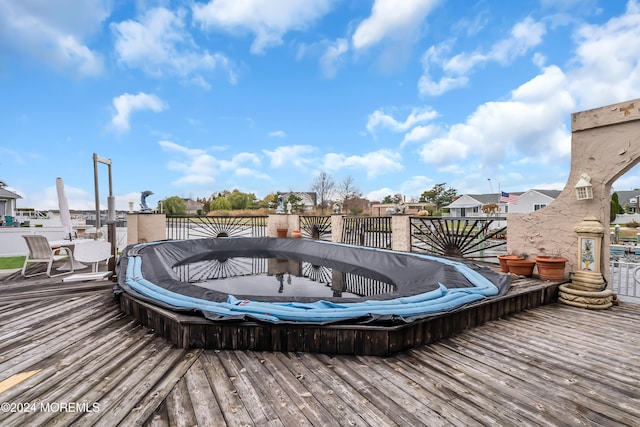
x=71, y=245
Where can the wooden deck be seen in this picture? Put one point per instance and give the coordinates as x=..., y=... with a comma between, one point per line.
x=69, y=356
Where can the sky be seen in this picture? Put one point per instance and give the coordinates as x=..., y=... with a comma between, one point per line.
x=191, y=98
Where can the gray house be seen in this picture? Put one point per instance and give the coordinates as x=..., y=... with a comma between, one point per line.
x=7, y=203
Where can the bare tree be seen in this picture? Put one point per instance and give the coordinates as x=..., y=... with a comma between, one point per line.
x=349, y=193
x=323, y=185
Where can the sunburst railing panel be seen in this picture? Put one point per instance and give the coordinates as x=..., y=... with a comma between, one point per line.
x=477, y=238
x=316, y=227
x=196, y=227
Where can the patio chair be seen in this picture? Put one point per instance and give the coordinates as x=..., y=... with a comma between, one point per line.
x=40, y=251
x=92, y=252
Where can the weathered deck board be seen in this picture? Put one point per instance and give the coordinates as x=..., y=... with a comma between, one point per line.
x=550, y=365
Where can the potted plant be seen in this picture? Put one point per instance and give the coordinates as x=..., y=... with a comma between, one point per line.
x=551, y=267
x=282, y=232
x=503, y=261
x=521, y=267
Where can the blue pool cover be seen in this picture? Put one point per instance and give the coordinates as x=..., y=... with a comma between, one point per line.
x=424, y=285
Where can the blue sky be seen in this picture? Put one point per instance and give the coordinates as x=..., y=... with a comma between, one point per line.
x=190, y=98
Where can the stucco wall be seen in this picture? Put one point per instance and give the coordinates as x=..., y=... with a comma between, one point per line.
x=605, y=143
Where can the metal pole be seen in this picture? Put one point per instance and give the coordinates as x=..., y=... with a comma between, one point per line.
x=111, y=209
x=96, y=190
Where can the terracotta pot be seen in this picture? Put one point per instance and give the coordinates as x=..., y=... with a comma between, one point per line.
x=282, y=232
x=296, y=234
x=551, y=268
x=521, y=267
x=503, y=261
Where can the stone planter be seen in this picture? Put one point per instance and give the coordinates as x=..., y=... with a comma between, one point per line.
x=503, y=261
x=551, y=268
x=521, y=267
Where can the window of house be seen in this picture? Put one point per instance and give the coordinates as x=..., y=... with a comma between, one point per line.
x=538, y=206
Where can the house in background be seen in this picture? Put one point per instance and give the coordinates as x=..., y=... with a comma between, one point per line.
x=471, y=205
x=629, y=200
x=522, y=202
x=309, y=199
x=193, y=207
x=7, y=204
x=533, y=200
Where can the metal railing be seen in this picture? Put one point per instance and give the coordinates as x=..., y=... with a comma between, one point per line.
x=373, y=232
x=624, y=277
x=479, y=238
x=316, y=227
x=196, y=227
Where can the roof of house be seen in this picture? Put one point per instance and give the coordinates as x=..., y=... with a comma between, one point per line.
x=625, y=196
x=6, y=194
x=484, y=199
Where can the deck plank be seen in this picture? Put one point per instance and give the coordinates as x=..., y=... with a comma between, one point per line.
x=549, y=365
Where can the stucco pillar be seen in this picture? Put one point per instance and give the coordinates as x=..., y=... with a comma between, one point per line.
x=337, y=224
x=605, y=144
x=274, y=222
x=401, y=233
x=143, y=228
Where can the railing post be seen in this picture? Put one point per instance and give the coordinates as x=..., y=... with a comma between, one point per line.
x=401, y=233
x=337, y=224
x=144, y=228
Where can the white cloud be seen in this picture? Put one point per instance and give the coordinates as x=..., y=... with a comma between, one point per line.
x=291, y=155
x=524, y=36
x=54, y=32
x=277, y=134
x=238, y=159
x=126, y=104
x=199, y=168
x=379, y=119
x=415, y=186
x=607, y=61
x=378, y=195
x=375, y=163
x=393, y=20
x=252, y=173
x=269, y=21
x=420, y=133
x=158, y=43
x=531, y=125
x=332, y=57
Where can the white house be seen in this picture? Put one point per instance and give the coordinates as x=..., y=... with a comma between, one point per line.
x=7, y=203
x=308, y=199
x=529, y=201
x=533, y=200
x=471, y=205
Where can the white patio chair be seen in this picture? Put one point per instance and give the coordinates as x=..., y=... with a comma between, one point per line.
x=92, y=252
x=40, y=251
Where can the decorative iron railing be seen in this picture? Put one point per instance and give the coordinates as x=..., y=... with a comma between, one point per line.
x=373, y=232
x=476, y=238
x=197, y=227
x=316, y=227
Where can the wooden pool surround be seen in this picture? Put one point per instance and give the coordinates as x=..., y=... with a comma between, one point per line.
x=192, y=331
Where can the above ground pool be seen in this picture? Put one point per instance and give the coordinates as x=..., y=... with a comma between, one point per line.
x=300, y=280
